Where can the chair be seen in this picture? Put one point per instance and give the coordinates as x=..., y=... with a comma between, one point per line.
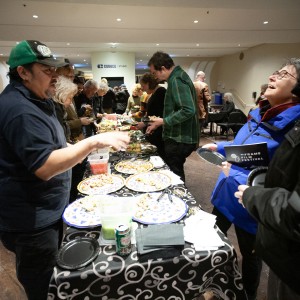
x=236, y=120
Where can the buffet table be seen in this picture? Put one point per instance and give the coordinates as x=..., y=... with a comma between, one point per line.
x=167, y=274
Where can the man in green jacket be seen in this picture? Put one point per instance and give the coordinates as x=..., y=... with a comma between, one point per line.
x=180, y=119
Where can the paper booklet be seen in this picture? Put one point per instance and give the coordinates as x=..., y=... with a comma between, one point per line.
x=248, y=155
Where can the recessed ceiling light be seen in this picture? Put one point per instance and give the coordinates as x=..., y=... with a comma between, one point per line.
x=197, y=45
x=266, y=22
x=1, y=54
x=68, y=44
x=239, y=45
x=157, y=44
x=84, y=60
x=137, y=63
x=187, y=55
x=141, y=60
x=119, y=20
x=77, y=54
x=35, y=16
x=196, y=21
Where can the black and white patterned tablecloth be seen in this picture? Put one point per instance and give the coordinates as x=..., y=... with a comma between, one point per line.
x=161, y=275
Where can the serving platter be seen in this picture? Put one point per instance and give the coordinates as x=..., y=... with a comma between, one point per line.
x=133, y=166
x=84, y=212
x=151, y=211
x=101, y=184
x=211, y=156
x=78, y=253
x=148, y=182
x=257, y=176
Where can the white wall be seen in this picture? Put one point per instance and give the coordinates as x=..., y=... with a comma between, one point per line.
x=3, y=75
x=242, y=77
x=124, y=66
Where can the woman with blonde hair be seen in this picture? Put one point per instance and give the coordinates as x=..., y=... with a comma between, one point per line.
x=65, y=90
x=134, y=101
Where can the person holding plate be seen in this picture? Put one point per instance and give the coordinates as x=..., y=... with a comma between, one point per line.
x=35, y=163
x=269, y=123
x=180, y=121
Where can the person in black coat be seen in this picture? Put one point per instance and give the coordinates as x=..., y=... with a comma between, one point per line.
x=155, y=108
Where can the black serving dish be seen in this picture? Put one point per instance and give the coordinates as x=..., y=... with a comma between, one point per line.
x=211, y=156
x=78, y=253
x=257, y=176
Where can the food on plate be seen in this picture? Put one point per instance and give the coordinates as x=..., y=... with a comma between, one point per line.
x=124, y=128
x=84, y=212
x=106, y=125
x=148, y=182
x=133, y=166
x=134, y=147
x=151, y=211
x=101, y=184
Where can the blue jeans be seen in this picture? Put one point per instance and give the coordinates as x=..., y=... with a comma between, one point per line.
x=35, y=257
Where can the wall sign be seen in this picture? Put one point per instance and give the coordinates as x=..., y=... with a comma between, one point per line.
x=106, y=66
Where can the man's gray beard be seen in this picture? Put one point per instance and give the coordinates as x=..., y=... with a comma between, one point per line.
x=50, y=93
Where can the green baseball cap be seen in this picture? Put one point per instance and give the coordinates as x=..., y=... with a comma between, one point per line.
x=30, y=51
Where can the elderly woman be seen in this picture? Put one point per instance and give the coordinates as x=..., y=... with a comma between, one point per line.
x=227, y=108
x=65, y=90
x=269, y=123
x=277, y=240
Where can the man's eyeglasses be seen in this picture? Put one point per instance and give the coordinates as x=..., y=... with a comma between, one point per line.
x=282, y=74
x=49, y=71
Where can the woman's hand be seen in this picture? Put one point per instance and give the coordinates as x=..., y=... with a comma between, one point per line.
x=211, y=146
x=240, y=192
x=226, y=168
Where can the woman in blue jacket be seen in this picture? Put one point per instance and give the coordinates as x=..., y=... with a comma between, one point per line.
x=268, y=123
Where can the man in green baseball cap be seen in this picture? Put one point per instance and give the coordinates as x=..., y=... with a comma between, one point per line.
x=35, y=164
x=30, y=51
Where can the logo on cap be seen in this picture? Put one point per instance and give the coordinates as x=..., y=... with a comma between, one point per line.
x=44, y=50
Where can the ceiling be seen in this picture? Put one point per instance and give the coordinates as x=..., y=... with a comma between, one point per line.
x=74, y=29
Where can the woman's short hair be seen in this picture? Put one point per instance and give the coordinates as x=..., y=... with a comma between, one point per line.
x=229, y=96
x=149, y=79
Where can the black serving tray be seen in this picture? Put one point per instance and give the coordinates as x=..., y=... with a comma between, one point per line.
x=257, y=176
x=211, y=156
x=78, y=253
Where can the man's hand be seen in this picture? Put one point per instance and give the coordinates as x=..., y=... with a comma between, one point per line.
x=157, y=122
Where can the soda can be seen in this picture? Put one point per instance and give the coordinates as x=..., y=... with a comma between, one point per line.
x=123, y=240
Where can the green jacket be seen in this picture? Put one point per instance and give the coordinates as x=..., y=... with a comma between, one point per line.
x=180, y=110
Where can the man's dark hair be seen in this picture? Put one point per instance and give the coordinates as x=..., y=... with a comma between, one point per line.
x=14, y=75
x=150, y=79
x=161, y=59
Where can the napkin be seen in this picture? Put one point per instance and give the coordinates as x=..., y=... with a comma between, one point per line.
x=157, y=161
x=174, y=178
x=200, y=230
x=158, y=237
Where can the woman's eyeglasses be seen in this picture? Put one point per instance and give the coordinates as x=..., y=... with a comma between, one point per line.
x=282, y=74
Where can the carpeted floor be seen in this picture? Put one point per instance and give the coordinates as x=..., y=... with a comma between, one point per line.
x=200, y=179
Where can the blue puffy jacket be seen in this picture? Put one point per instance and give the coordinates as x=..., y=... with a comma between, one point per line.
x=254, y=131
